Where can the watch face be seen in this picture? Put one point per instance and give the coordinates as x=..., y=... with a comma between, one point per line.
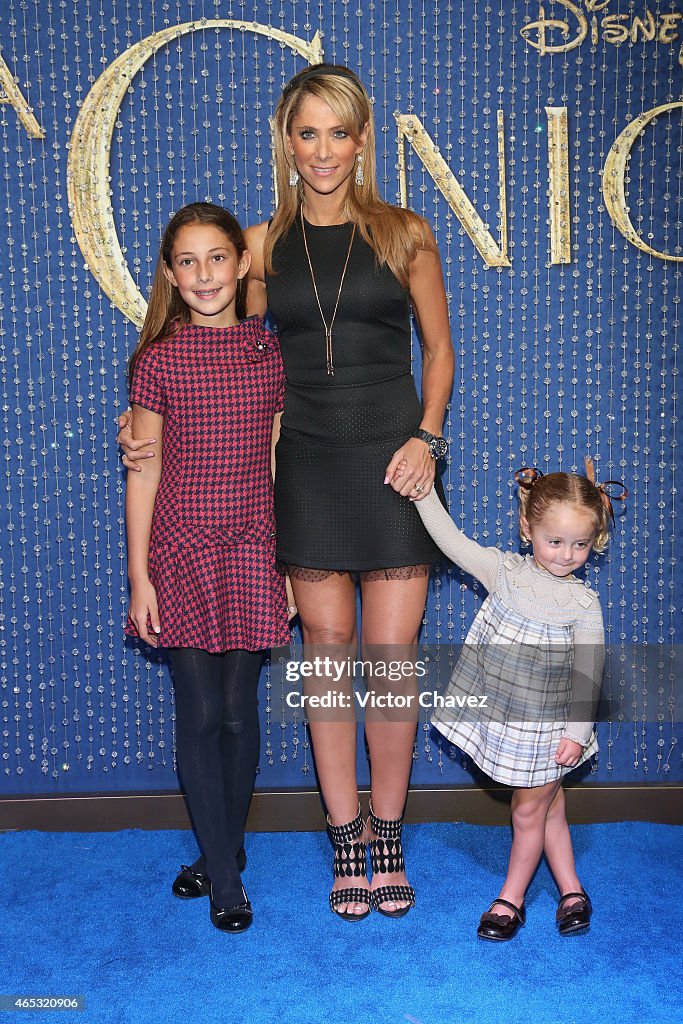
x=439, y=447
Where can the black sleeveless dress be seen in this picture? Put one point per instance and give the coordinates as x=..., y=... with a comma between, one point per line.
x=332, y=508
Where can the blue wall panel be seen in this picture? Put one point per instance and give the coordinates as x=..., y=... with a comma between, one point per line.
x=553, y=360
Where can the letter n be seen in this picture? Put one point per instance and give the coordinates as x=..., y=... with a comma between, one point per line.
x=410, y=128
x=11, y=93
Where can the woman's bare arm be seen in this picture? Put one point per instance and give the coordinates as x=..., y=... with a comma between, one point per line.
x=256, y=279
x=428, y=298
x=141, y=492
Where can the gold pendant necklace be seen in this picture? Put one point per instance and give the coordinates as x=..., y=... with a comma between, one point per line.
x=328, y=327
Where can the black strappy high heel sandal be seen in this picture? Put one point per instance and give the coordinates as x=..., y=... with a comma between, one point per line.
x=386, y=855
x=350, y=852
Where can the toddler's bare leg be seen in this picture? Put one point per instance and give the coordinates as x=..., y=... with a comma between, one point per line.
x=529, y=812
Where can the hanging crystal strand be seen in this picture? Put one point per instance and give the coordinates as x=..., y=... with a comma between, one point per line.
x=268, y=713
x=179, y=138
x=604, y=277
x=659, y=417
x=45, y=436
x=668, y=668
x=9, y=693
x=537, y=143
x=105, y=621
x=457, y=598
x=648, y=81
x=22, y=728
x=520, y=342
x=284, y=746
x=587, y=296
x=432, y=94
x=71, y=375
x=616, y=446
x=306, y=746
x=629, y=408
x=507, y=60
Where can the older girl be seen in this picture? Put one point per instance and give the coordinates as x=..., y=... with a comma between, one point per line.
x=201, y=553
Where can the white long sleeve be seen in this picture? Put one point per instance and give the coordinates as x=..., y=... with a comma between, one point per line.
x=481, y=562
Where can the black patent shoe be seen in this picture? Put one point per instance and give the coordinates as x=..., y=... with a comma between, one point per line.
x=190, y=884
x=232, y=919
x=576, y=918
x=500, y=927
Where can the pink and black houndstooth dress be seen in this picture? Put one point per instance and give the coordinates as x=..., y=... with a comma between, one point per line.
x=212, y=544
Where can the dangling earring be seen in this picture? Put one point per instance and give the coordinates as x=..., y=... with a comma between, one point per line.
x=359, y=170
x=293, y=176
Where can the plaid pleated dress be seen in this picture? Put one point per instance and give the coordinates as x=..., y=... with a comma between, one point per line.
x=212, y=544
x=534, y=653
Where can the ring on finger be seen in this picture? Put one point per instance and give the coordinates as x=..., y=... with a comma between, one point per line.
x=419, y=488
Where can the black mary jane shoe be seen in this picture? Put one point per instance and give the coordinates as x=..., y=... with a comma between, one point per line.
x=576, y=918
x=500, y=927
x=232, y=919
x=190, y=884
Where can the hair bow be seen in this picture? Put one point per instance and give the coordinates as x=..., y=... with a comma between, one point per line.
x=605, y=496
x=527, y=476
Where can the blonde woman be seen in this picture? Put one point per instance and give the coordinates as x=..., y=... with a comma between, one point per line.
x=340, y=271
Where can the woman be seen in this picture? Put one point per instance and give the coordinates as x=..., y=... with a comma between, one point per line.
x=339, y=270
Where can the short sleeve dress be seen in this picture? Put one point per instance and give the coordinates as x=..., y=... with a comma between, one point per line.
x=534, y=654
x=212, y=545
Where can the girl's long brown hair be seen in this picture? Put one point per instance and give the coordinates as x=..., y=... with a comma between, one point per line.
x=166, y=310
x=565, y=489
x=394, y=234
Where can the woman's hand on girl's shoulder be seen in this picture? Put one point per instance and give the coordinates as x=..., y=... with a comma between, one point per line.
x=143, y=612
x=255, y=237
x=133, y=451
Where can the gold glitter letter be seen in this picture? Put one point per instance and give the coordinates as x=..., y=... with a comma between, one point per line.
x=410, y=127
x=645, y=27
x=558, y=163
x=612, y=31
x=11, y=93
x=87, y=179
x=614, y=178
x=541, y=26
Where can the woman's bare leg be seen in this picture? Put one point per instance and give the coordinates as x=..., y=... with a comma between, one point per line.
x=327, y=610
x=392, y=614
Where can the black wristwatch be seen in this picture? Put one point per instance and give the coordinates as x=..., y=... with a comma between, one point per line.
x=438, y=446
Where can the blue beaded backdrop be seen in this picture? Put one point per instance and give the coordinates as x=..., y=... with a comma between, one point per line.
x=544, y=144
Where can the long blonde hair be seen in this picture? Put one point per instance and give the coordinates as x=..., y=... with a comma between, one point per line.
x=394, y=234
x=167, y=310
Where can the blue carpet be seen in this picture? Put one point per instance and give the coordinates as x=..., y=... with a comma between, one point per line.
x=92, y=914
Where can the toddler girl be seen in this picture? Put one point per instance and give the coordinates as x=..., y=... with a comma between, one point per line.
x=535, y=651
